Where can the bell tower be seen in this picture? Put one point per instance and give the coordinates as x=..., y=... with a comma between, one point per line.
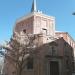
x=36, y=22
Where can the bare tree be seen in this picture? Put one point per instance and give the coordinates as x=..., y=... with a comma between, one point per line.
x=18, y=49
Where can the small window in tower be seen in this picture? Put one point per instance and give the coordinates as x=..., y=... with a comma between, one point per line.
x=44, y=31
x=30, y=63
x=24, y=30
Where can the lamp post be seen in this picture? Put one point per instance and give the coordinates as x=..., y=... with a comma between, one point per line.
x=73, y=13
x=74, y=55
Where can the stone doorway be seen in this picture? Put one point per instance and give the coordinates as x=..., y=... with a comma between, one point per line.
x=54, y=68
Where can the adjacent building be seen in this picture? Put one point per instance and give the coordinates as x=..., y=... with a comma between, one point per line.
x=69, y=40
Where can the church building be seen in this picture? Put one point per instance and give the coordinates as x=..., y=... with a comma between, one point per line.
x=54, y=55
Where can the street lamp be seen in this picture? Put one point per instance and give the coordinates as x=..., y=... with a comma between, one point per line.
x=73, y=13
x=74, y=57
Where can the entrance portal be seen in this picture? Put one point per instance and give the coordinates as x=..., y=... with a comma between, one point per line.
x=54, y=68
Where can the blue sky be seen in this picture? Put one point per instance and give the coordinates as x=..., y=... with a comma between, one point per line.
x=10, y=10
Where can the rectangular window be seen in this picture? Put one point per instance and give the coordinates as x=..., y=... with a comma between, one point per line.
x=54, y=51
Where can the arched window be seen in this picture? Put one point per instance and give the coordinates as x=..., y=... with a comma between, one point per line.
x=30, y=63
